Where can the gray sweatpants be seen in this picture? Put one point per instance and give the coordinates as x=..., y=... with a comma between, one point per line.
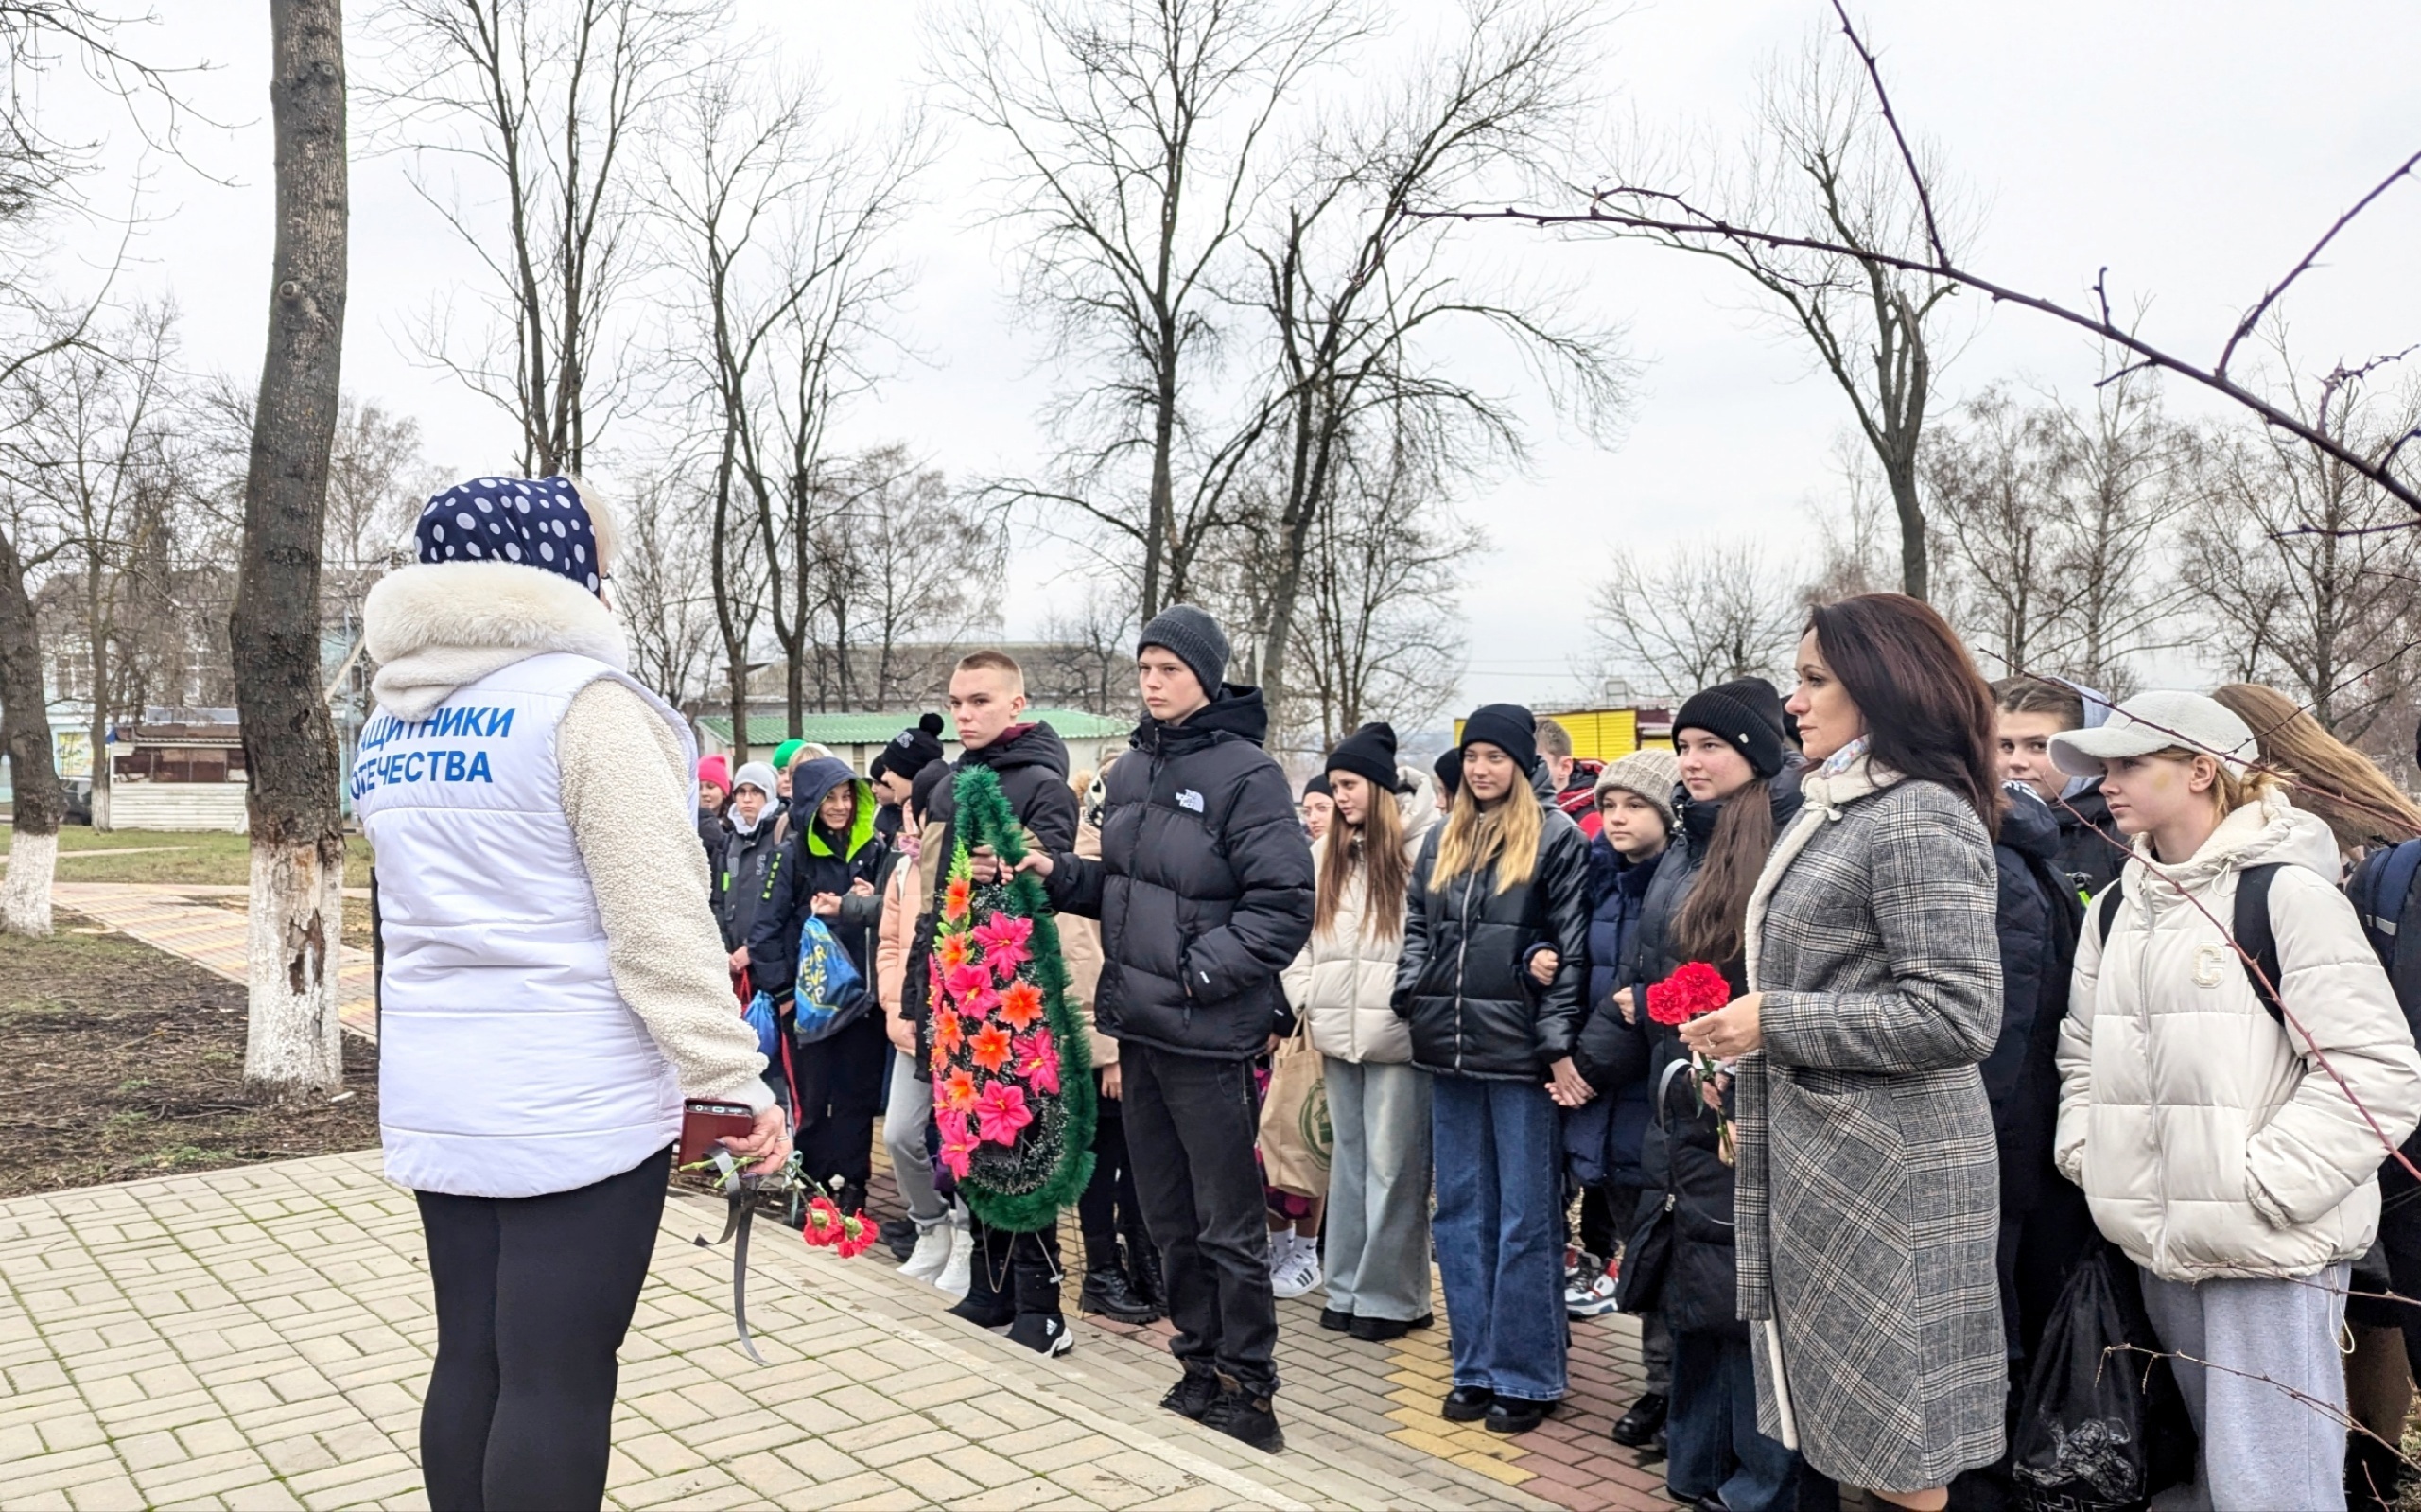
x=1377, y=1190
x=904, y=1120
x=2265, y=1345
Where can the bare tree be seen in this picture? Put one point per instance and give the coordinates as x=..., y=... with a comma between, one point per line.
x=85, y=448
x=781, y=225
x=1137, y=137
x=37, y=805
x=377, y=477
x=1990, y=473
x=1826, y=167
x=900, y=559
x=1383, y=584
x=660, y=587
x=524, y=116
x=2304, y=569
x=1663, y=212
x=295, y=1046
x=1093, y=636
x=1351, y=286
x=1702, y=614
x=1856, y=556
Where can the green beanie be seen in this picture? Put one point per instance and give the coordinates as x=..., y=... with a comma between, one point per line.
x=783, y=753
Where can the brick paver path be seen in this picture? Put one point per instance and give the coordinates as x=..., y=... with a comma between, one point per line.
x=259, y=1337
x=182, y=920
x=266, y=1331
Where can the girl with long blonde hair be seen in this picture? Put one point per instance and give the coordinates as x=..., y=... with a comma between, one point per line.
x=1496, y=941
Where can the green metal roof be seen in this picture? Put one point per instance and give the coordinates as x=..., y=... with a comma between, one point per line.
x=874, y=729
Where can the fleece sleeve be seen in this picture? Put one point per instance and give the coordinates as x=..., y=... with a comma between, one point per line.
x=629, y=802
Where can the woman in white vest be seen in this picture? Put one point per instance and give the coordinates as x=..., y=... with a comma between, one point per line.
x=555, y=982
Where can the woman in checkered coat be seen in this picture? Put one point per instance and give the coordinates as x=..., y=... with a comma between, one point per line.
x=1869, y=1199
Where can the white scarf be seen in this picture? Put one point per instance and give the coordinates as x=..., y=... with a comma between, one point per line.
x=1846, y=776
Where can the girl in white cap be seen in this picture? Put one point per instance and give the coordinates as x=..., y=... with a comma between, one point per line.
x=2233, y=1167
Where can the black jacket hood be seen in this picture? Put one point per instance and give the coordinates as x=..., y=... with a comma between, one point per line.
x=1237, y=713
x=2029, y=825
x=1037, y=745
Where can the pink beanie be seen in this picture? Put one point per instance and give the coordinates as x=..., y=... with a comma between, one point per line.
x=716, y=769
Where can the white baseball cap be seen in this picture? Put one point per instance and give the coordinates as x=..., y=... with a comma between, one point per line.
x=2161, y=721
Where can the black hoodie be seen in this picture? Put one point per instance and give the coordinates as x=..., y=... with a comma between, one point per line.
x=1203, y=888
x=2037, y=925
x=1032, y=763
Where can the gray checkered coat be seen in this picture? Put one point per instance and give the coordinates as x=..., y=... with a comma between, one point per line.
x=1869, y=1186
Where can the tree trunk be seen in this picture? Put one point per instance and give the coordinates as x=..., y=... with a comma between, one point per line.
x=1163, y=501
x=1915, y=579
x=295, y=1048
x=24, y=729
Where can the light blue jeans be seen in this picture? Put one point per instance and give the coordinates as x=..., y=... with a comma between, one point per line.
x=1500, y=1252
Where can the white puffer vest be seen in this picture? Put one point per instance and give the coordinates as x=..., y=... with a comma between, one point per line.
x=1344, y=980
x=509, y=1066
x=2207, y=1137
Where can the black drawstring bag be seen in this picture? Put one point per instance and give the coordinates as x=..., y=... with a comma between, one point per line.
x=2103, y=1427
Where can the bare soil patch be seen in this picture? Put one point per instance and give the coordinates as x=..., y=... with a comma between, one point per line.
x=119, y=1061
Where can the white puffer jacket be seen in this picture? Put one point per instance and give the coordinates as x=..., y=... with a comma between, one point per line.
x=2207, y=1143
x=1344, y=977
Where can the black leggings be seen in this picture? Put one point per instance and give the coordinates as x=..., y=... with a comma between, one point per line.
x=533, y=1297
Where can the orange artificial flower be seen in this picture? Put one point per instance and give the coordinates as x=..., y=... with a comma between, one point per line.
x=956, y=898
x=1021, y=1005
x=948, y=1036
x=992, y=1047
x=958, y=1093
x=953, y=952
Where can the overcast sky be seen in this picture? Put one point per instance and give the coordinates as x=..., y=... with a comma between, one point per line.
x=2194, y=147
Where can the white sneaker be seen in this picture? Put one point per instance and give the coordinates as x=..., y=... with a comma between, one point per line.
x=1301, y=1272
x=958, y=1273
x=1589, y=1297
x=1283, y=1245
x=936, y=1243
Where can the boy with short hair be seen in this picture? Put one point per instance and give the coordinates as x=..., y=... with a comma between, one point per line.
x=2028, y=712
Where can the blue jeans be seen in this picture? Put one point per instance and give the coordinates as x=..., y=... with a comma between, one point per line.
x=1500, y=1196
x=1711, y=1429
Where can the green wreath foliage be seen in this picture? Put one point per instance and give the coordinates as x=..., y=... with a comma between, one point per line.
x=986, y=970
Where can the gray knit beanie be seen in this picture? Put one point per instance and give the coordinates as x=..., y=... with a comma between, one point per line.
x=1651, y=773
x=1197, y=640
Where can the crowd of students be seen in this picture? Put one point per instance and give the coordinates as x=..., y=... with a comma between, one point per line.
x=1847, y=1029
x=1849, y=1198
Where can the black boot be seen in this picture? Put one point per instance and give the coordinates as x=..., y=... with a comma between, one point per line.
x=1144, y=1270
x=1108, y=1293
x=990, y=1301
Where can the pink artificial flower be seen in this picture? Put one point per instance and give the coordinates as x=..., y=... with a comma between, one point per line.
x=1038, y=1060
x=963, y=981
x=1000, y=1112
x=1004, y=938
x=978, y=1007
x=958, y=1148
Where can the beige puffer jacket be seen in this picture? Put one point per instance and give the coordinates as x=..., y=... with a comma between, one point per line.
x=2207, y=1143
x=1344, y=978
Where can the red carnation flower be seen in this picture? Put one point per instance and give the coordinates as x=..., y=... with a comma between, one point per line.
x=1697, y=988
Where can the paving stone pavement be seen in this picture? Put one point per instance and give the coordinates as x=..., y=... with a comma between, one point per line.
x=183, y=919
x=259, y=1337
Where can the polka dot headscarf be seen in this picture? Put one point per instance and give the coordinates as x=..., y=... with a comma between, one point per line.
x=537, y=522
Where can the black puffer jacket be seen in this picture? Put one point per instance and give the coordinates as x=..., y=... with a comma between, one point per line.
x=1465, y=984
x=1032, y=765
x=1203, y=888
x=742, y=878
x=2037, y=924
x=2091, y=849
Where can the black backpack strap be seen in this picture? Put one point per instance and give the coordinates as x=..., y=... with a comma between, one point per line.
x=2254, y=937
x=2105, y=908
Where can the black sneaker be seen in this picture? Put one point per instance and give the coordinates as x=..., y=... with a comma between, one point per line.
x=1246, y=1419
x=900, y=1237
x=1512, y=1415
x=1107, y=1292
x=1379, y=1330
x=986, y=1312
x=1045, y=1334
x=1466, y=1404
x=1193, y=1394
x=1633, y=1429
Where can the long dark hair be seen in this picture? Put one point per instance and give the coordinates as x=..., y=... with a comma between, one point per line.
x=1713, y=922
x=1928, y=712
